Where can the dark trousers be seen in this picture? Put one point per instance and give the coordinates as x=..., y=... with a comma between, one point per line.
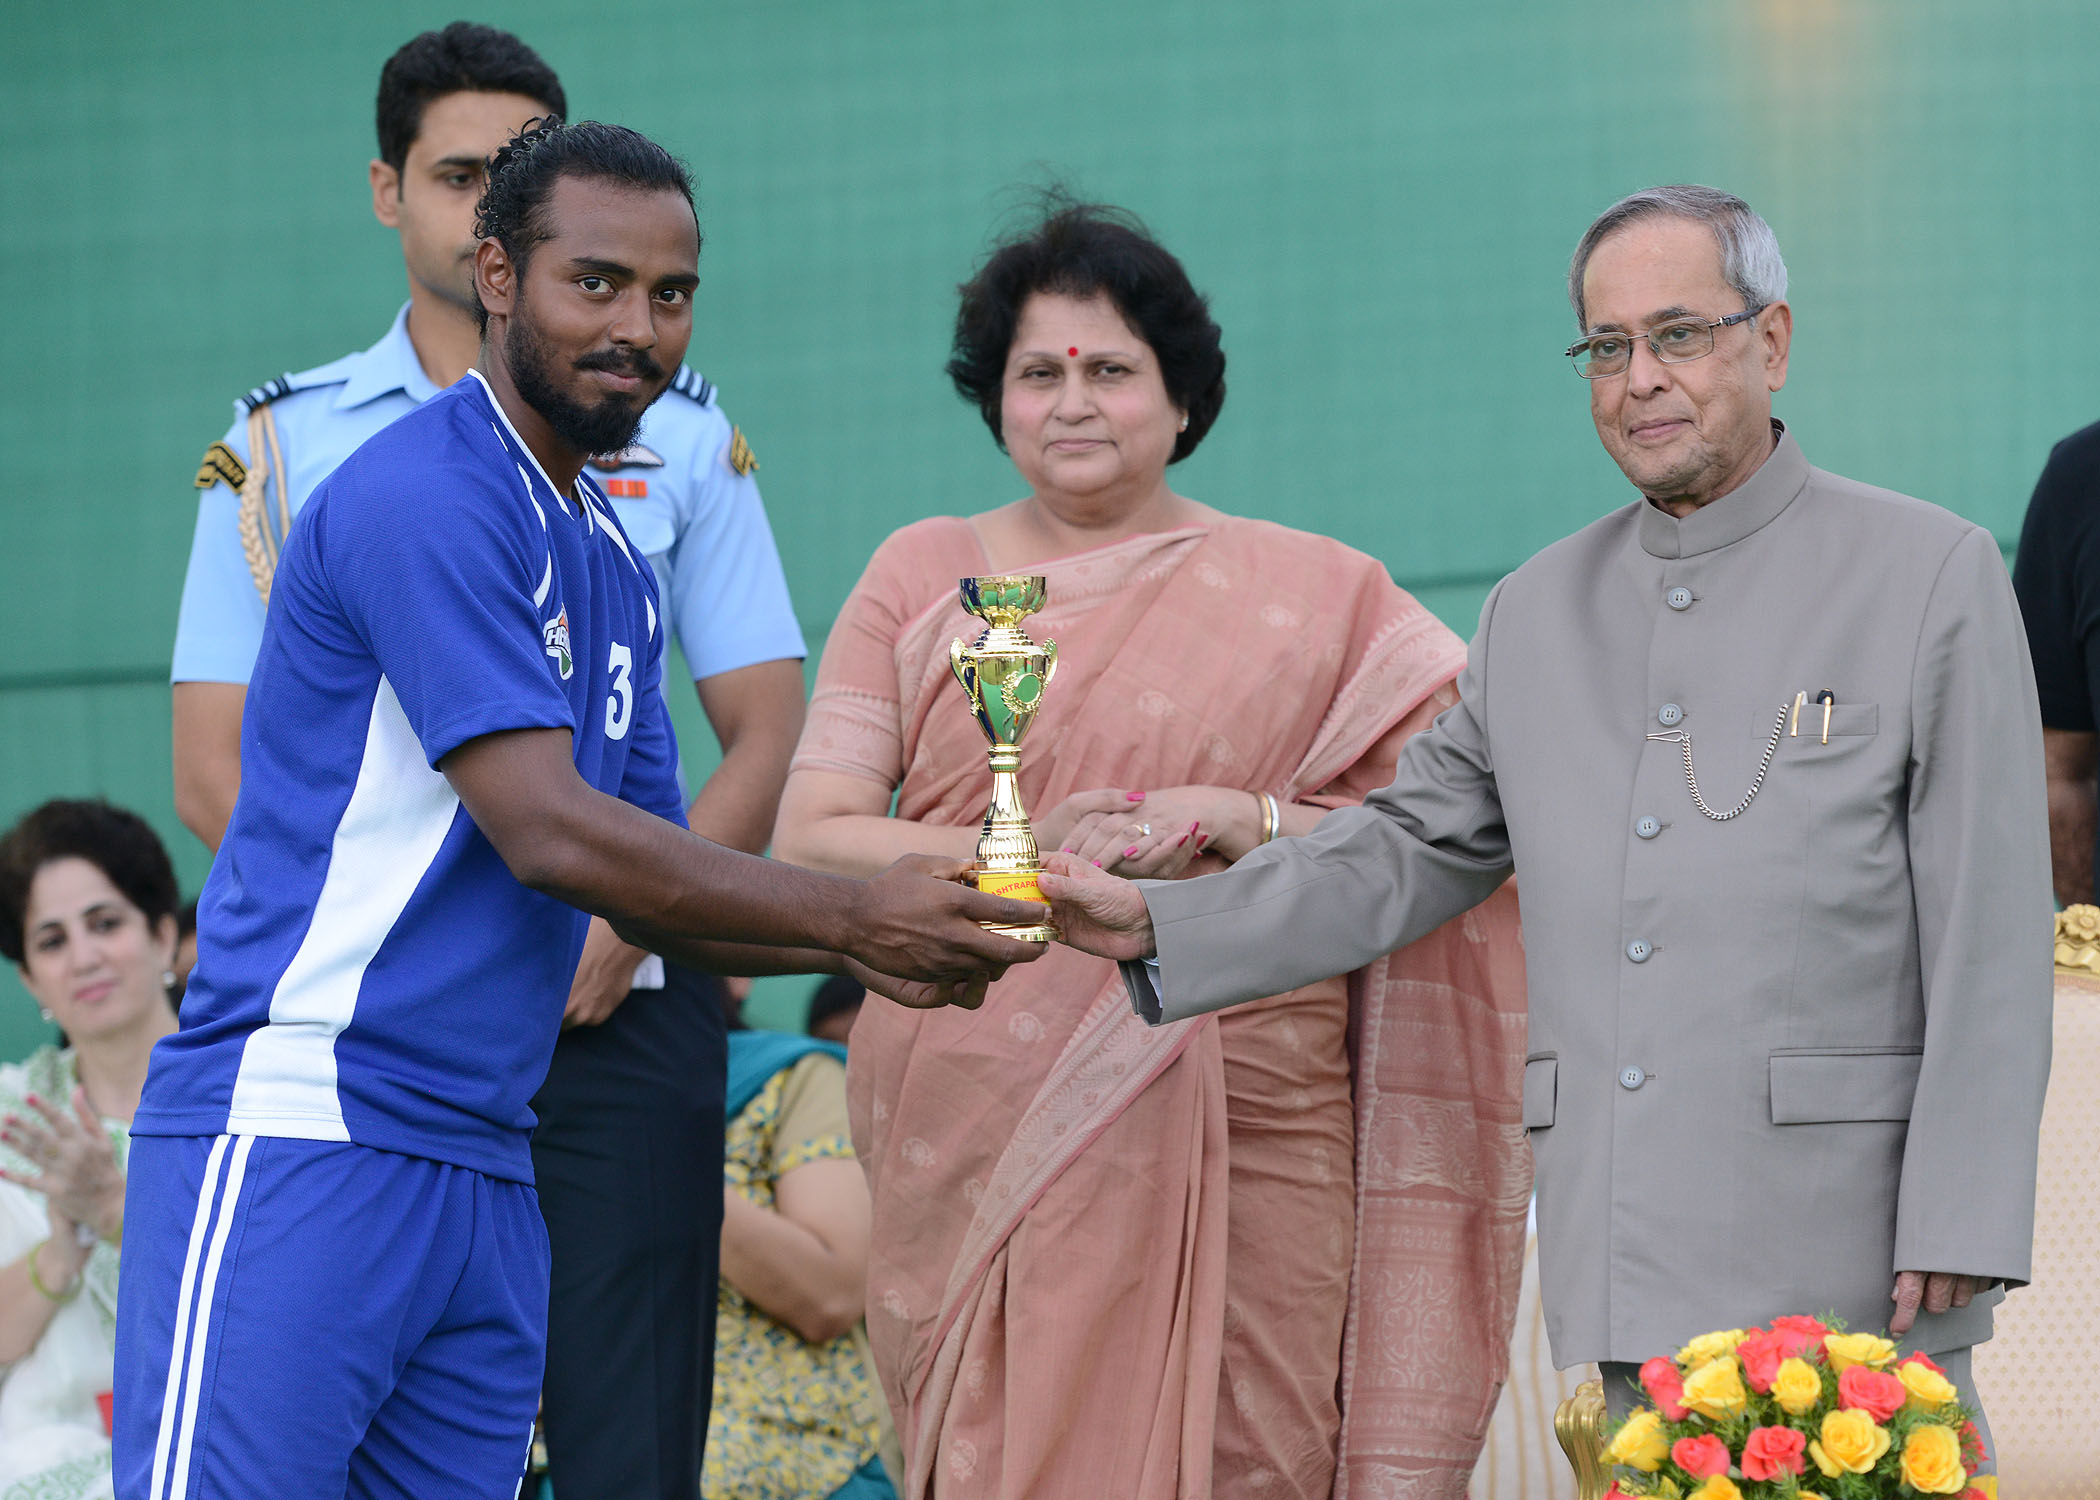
x=628, y=1154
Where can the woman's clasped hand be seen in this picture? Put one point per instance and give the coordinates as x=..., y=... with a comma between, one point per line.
x=1154, y=835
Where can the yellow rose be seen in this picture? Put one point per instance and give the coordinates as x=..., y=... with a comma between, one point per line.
x=1717, y=1487
x=1797, y=1387
x=1852, y=1443
x=1640, y=1444
x=1932, y=1461
x=1987, y=1483
x=1715, y=1390
x=1709, y=1346
x=1929, y=1389
x=1844, y=1350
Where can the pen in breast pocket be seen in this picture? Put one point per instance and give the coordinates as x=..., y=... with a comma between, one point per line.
x=1827, y=698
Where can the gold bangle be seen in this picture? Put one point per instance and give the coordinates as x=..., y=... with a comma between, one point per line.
x=1271, y=817
x=37, y=1281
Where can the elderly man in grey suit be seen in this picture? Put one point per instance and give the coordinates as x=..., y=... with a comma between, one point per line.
x=1763, y=752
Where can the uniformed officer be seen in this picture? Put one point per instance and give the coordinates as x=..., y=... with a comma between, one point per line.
x=630, y=1130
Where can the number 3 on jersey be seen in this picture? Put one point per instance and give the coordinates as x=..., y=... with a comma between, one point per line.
x=619, y=704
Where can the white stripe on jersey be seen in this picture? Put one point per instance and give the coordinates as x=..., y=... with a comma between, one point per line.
x=179, y=1344
x=193, y=1385
x=391, y=831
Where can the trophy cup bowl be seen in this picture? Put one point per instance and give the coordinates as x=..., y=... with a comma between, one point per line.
x=1003, y=674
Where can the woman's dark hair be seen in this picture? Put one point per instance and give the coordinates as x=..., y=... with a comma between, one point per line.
x=513, y=207
x=1083, y=250
x=116, y=842
x=461, y=59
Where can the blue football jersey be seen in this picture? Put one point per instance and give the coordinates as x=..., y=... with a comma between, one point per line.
x=368, y=970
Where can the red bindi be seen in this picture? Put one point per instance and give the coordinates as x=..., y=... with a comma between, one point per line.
x=1074, y=353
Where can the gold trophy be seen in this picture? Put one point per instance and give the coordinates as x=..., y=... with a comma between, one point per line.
x=1004, y=675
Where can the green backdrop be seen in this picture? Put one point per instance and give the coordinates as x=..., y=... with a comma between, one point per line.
x=1380, y=197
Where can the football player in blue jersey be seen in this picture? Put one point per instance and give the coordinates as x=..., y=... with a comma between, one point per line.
x=335, y=1276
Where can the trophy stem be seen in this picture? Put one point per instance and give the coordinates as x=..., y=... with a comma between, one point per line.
x=1008, y=860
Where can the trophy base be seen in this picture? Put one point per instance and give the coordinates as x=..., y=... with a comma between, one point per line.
x=1019, y=885
x=1041, y=932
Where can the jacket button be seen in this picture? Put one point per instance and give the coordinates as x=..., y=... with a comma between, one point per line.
x=1639, y=950
x=1679, y=598
x=1647, y=828
x=1632, y=1078
x=1669, y=716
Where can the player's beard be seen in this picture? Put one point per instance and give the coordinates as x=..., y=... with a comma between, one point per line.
x=603, y=426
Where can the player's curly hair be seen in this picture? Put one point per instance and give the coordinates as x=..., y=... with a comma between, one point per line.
x=118, y=843
x=1081, y=249
x=522, y=174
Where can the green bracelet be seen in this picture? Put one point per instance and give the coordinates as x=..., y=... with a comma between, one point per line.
x=60, y=1298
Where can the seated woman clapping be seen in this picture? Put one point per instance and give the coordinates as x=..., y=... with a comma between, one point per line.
x=87, y=916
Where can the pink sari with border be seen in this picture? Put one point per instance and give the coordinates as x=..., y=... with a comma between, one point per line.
x=1052, y=1280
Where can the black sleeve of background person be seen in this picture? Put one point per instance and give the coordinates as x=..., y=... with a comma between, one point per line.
x=2056, y=574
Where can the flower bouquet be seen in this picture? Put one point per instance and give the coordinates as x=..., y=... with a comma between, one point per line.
x=1801, y=1410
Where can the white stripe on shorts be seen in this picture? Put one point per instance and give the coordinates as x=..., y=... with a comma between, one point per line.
x=180, y=1341
x=187, y=1357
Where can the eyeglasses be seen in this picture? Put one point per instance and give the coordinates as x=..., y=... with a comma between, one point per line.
x=1677, y=342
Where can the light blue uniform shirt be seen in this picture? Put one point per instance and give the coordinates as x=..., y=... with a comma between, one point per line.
x=700, y=522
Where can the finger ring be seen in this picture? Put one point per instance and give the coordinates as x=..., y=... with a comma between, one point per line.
x=1145, y=829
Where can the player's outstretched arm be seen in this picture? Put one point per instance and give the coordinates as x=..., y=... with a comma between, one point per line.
x=680, y=895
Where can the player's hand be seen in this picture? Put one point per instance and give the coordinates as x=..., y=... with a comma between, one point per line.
x=1096, y=912
x=920, y=994
x=76, y=1163
x=604, y=975
x=919, y=921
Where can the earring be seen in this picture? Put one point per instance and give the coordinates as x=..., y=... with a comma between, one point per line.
x=167, y=979
x=45, y=1012
x=1184, y=427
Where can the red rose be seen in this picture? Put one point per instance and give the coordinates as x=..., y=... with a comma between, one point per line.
x=1920, y=1357
x=1701, y=1456
x=1665, y=1387
x=1876, y=1392
x=1798, y=1335
x=1772, y=1451
x=1971, y=1446
x=1761, y=1354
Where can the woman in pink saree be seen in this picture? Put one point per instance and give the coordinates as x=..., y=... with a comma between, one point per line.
x=1271, y=1253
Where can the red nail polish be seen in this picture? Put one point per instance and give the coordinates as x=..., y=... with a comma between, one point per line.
x=1130, y=851
x=1097, y=864
x=1135, y=796
x=1180, y=841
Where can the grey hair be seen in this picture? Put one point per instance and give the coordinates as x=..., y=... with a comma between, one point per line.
x=1750, y=259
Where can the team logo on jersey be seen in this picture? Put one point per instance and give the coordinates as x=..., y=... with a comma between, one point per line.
x=555, y=636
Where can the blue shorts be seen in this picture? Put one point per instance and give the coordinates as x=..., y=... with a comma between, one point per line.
x=316, y=1319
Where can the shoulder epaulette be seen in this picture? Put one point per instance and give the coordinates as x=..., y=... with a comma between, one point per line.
x=272, y=390
x=691, y=384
